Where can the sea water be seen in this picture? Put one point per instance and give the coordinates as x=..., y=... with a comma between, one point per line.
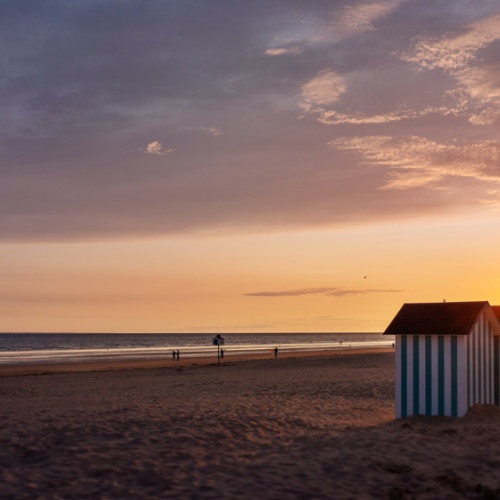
x=33, y=348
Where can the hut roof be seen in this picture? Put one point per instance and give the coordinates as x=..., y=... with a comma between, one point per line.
x=496, y=310
x=439, y=318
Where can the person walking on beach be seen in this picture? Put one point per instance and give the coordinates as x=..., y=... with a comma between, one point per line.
x=173, y=355
x=178, y=354
x=222, y=353
x=275, y=352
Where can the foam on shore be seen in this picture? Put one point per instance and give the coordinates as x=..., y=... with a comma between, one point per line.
x=135, y=364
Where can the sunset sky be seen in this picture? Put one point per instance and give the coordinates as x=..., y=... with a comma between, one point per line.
x=249, y=166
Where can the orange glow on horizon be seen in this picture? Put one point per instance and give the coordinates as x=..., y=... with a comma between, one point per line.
x=310, y=281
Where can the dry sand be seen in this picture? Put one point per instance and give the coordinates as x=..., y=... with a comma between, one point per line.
x=317, y=426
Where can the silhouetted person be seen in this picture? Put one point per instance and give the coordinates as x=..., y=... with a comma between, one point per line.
x=275, y=352
x=222, y=353
x=178, y=354
x=174, y=354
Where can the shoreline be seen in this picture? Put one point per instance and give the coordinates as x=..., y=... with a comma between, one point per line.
x=133, y=364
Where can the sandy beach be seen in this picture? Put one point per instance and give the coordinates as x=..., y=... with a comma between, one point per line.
x=316, y=425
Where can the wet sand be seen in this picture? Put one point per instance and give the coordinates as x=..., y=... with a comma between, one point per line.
x=311, y=426
x=130, y=364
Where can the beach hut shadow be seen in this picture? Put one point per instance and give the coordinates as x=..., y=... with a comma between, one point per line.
x=426, y=456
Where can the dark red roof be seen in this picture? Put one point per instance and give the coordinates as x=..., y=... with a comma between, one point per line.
x=439, y=318
x=496, y=310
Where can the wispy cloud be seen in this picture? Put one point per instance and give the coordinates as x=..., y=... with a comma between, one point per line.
x=325, y=88
x=494, y=201
x=340, y=24
x=212, y=130
x=454, y=51
x=331, y=291
x=416, y=161
x=156, y=148
x=475, y=95
x=321, y=95
x=209, y=130
x=359, y=18
x=333, y=117
x=457, y=55
x=282, y=51
x=336, y=25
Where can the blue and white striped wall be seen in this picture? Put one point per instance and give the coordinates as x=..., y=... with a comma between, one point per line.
x=447, y=374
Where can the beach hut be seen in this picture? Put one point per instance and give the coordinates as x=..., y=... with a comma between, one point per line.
x=447, y=357
x=496, y=361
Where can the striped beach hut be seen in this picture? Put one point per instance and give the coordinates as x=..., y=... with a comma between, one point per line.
x=447, y=357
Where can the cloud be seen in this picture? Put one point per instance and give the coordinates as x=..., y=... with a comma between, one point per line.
x=284, y=51
x=322, y=95
x=331, y=291
x=360, y=18
x=457, y=54
x=324, y=89
x=452, y=52
x=332, y=117
x=156, y=148
x=417, y=161
x=69, y=120
x=334, y=25
x=210, y=130
x=475, y=95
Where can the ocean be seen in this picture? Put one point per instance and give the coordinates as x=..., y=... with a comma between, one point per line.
x=38, y=348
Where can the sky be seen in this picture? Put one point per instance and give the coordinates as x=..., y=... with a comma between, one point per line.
x=235, y=166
